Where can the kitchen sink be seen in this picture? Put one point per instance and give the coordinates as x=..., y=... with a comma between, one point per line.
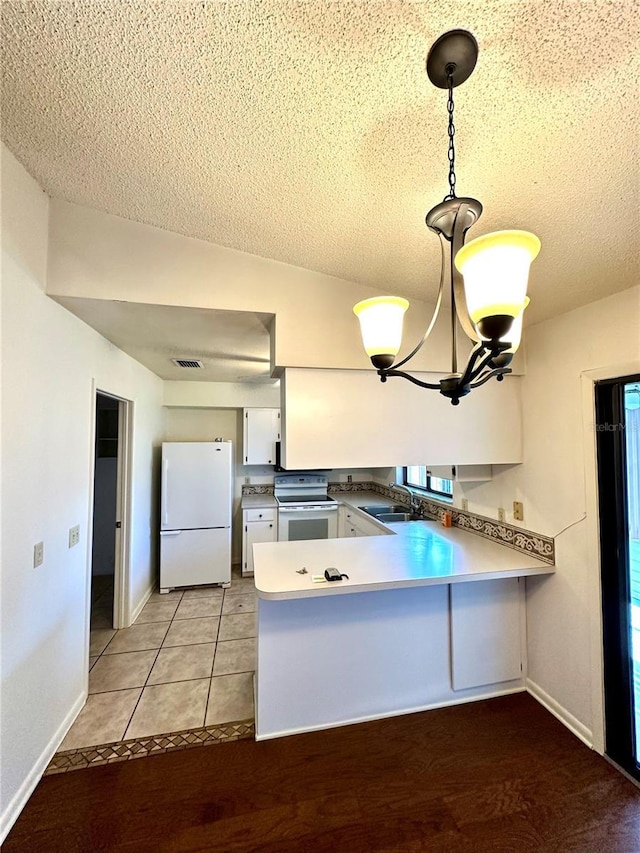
x=376, y=511
x=390, y=514
x=389, y=517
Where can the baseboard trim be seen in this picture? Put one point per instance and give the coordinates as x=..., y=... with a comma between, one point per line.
x=145, y=597
x=566, y=718
x=365, y=719
x=20, y=798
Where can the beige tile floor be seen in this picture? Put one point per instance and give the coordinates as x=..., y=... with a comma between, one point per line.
x=188, y=661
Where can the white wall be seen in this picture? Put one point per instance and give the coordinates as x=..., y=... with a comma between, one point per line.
x=100, y=256
x=221, y=395
x=561, y=609
x=50, y=361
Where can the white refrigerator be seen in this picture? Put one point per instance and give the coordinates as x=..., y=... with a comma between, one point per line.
x=195, y=514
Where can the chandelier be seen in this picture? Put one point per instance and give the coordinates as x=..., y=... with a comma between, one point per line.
x=487, y=277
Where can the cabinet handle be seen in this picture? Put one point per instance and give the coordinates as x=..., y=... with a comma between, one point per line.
x=260, y=515
x=271, y=525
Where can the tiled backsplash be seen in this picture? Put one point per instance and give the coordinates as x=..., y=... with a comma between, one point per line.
x=265, y=489
x=542, y=547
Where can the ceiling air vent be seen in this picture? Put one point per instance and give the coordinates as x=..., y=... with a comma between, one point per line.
x=188, y=362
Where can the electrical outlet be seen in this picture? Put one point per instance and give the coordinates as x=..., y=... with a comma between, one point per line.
x=38, y=554
x=247, y=480
x=74, y=535
x=349, y=478
x=518, y=511
x=500, y=513
x=465, y=504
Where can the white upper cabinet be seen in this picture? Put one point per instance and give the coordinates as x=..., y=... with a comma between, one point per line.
x=261, y=430
x=461, y=473
x=349, y=419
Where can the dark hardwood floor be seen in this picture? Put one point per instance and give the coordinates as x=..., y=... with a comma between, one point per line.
x=489, y=776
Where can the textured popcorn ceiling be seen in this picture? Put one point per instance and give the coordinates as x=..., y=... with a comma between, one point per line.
x=309, y=133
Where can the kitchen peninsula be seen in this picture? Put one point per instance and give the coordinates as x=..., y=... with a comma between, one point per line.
x=426, y=617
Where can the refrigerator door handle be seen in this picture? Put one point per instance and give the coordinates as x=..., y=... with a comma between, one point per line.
x=170, y=532
x=165, y=468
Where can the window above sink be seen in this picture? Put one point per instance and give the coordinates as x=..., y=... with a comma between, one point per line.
x=419, y=477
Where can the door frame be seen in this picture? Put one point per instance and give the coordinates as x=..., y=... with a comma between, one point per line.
x=588, y=380
x=121, y=593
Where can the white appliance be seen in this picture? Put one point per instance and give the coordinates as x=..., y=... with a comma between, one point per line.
x=195, y=514
x=305, y=511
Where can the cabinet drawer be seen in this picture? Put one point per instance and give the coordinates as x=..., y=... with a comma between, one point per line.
x=264, y=514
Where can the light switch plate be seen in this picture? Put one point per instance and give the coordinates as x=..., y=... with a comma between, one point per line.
x=38, y=554
x=518, y=511
x=74, y=535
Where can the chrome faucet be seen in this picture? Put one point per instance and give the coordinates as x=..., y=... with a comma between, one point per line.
x=414, y=502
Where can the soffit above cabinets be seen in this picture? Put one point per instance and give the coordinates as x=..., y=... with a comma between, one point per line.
x=310, y=134
x=233, y=346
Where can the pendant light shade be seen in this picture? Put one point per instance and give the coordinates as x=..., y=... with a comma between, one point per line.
x=495, y=268
x=381, y=324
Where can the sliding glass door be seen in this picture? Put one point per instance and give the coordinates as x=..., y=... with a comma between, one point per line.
x=618, y=443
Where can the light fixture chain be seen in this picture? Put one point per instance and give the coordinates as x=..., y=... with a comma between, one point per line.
x=451, y=131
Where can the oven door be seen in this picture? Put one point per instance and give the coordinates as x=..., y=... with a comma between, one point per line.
x=296, y=523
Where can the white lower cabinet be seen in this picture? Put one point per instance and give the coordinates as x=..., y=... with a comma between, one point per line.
x=353, y=523
x=258, y=525
x=486, y=632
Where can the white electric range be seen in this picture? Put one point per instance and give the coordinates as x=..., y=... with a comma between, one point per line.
x=305, y=510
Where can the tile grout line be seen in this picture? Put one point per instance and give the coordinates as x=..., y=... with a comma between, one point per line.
x=215, y=652
x=128, y=723
x=171, y=621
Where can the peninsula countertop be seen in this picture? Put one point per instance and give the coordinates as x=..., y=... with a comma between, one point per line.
x=421, y=553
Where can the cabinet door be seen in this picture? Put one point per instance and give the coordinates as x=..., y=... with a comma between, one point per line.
x=485, y=633
x=261, y=431
x=357, y=525
x=255, y=531
x=344, y=419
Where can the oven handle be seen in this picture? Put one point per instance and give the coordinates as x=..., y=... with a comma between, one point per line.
x=322, y=508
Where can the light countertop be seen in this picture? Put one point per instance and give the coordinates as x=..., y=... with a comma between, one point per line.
x=257, y=501
x=357, y=499
x=421, y=553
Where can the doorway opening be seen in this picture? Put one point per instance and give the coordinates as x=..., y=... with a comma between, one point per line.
x=618, y=449
x=108, y=578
